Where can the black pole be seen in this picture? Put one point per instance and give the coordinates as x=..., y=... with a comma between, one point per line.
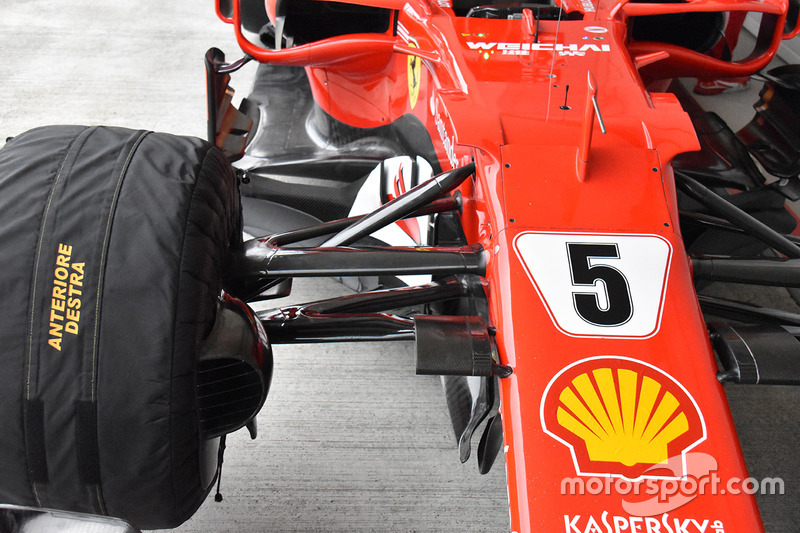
x=769, y=272
x=744, y=312
x=356, y=317
x=397, y=261
x=736, y=216
x=403, y=205
x=260, y=263
x=450, y=203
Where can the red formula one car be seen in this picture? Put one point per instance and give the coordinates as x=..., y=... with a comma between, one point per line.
x=521, y=189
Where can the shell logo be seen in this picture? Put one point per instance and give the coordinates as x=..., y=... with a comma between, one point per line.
x=621, y=417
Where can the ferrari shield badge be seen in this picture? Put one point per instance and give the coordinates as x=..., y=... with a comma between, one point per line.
x=622, y=417
x=414, y=73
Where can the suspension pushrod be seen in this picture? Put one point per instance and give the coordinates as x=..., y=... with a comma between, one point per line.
x=450, y=203
x=403, y=205
x=736, y=216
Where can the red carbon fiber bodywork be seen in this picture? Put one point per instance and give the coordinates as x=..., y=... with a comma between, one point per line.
x=552, y=195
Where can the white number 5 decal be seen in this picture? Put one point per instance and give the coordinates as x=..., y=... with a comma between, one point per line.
x=598, y=284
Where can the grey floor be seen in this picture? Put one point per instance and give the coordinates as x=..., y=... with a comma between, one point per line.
x=350, y=439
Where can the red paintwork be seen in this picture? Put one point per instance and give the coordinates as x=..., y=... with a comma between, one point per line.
x=545, y=169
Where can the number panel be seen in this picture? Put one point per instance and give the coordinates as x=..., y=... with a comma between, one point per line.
x=601, y=285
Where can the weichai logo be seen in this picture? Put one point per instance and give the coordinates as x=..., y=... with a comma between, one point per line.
x=525, y=48
x=622, y=417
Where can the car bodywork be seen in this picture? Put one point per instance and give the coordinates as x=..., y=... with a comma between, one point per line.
x=567, y=117
x=528, y=171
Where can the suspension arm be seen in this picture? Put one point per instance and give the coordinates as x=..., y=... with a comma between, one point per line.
x=770, y=272
x=736, y=216
x=356, y=317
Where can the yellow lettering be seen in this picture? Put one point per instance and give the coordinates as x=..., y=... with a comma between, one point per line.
x=55, y=317
x=76, y=279
x=66, y=302
x=55, y=329
x=73, y=315
x=57, y=305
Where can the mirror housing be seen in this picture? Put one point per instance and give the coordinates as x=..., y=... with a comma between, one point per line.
x=675, y=60
x=792, y=26
x=224, y=10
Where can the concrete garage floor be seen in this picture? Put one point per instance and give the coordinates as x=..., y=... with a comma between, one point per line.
x=350, y=439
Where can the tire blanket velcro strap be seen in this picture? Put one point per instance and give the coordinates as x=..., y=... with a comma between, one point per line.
x=97, y=229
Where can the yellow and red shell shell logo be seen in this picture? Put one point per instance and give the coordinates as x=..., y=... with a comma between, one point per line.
x=620, y=417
